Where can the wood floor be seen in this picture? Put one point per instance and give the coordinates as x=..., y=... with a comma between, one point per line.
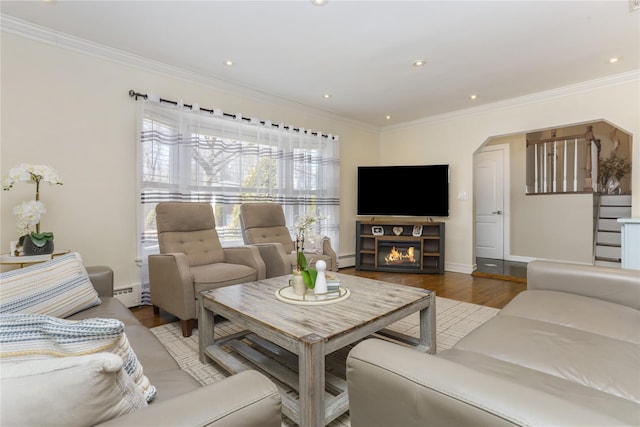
x=458, y=286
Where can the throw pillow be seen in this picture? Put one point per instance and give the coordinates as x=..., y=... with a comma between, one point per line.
x=36, y=336
x=60, y=288
x=315, y=244
x=67, y=391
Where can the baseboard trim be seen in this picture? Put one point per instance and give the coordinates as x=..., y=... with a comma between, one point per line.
x=458, y=268
x=517, y=258
x=499, y=277
x=346, y=261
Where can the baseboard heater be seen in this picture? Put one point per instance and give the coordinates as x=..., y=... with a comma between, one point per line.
x=129, y=296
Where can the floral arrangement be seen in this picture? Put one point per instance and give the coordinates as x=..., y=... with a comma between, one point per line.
x=302, y=226
x=305, y=222
x=614, y=166
x=30, y=212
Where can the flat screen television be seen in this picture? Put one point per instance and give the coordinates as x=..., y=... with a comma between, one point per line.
x=403, y=190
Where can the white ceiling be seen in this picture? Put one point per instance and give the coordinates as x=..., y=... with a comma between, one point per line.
x=361, y=52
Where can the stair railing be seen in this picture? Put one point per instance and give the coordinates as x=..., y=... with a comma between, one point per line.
x=555, y=165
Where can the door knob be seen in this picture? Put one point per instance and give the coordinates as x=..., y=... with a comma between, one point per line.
x=497, y=213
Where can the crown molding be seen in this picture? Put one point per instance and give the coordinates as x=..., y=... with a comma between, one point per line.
x=22, y=28
x=560, y=92
x=42, y=34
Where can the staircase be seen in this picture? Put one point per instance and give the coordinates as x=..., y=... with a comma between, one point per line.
x=608, y=244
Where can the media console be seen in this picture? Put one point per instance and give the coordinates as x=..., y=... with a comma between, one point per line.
x=400, y=246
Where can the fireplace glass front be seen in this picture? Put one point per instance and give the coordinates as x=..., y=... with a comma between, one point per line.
x=398, y=254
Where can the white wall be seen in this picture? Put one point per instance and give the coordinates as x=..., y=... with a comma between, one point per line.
x=549, y=226
x=72, y=111
x=454, y=138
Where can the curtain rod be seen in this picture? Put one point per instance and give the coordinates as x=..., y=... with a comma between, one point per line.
x=136, y=95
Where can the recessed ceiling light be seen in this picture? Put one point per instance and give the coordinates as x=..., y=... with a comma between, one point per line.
x=228, y=63
x=419, y=63
x=474, y=96
x=326, y=96
x=319, y=2
x=613, y=60
x=388, y=117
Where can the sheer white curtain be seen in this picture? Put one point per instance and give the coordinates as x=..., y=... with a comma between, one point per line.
x=185, y=154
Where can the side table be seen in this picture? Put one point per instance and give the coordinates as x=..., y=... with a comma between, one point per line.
x=21, y=261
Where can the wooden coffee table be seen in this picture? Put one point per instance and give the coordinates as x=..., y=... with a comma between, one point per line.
x=296, y=338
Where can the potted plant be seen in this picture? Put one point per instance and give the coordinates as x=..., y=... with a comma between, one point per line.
x=299, y=286
x=30, y=212
x=611, y=172
x=303, y=276
x=309, y=274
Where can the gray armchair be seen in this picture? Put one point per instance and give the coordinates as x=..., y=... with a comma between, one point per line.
x=192, y=260
x=265, y=223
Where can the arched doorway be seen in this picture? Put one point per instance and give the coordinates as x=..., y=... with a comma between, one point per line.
x=557, y=225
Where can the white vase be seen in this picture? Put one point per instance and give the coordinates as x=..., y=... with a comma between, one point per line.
x=321, y=279
x=613, y=185
x=299, y=288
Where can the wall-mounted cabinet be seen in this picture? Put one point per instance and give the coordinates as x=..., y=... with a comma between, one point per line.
x=400, y=246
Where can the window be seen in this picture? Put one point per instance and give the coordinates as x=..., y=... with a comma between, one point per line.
x=196, y=156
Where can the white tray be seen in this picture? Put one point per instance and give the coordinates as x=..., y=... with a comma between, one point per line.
x=287, y=295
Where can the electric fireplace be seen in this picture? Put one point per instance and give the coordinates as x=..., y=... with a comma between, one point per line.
x=399, y=254
x=400, y=246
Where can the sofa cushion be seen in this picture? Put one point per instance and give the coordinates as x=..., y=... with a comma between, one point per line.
x=59, y=288
x=68, y=391
x=150, y=352
x=35, y=336
x=162, y=370
x=201, y=247
x=213, y=276
x=189, y=228
x=110, y=307
x=566, y=393
x=613, y=365
x=579, y=312
x=277, y=234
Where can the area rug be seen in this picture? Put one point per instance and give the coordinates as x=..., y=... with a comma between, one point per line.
x=454, y=319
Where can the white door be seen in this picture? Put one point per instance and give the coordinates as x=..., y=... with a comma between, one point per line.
x=489, y=202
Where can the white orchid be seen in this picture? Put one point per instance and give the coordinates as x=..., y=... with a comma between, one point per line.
x=29, y=213
x=34, y=174
x=302, y=224
x=306, y=221
x=15, y=175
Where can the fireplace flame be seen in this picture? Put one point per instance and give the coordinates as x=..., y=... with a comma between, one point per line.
x=395, y=256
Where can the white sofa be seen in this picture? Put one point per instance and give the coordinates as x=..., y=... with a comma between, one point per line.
x=92, y=389
x=564, y=352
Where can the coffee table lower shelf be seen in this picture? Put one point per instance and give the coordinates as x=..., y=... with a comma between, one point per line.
x=282, y=366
